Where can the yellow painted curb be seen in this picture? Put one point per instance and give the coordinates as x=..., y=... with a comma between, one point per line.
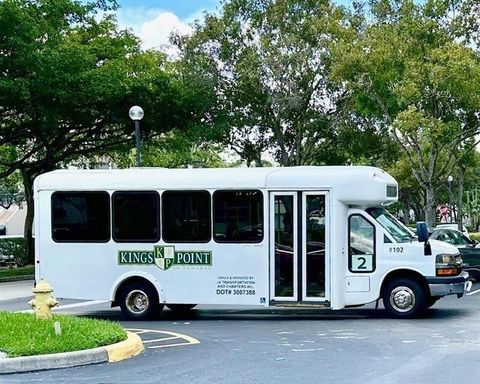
x=125, y=349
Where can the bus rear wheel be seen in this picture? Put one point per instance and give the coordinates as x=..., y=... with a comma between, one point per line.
x=404, y=298
x=181, y=307
x=139, y=301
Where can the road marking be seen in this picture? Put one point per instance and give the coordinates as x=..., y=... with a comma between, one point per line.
x=308, y=350
x=472, y=293
x=163, y=339
x=172, y=345
x=181, y=339
x=68, y=306
x=83, y=304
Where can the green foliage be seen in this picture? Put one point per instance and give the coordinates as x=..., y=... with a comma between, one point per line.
x=29, y=271
x=13, y=248
x=21, y=334
x=69, y=77
x=475, y=236
x=408, y=69
x=265, y=68
x=175, y=149
x=11, y=190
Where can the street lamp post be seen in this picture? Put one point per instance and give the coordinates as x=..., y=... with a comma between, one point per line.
x=136, y=114
x=450, y=180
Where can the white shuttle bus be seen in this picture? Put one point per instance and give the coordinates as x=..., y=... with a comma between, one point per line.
x=302, y=236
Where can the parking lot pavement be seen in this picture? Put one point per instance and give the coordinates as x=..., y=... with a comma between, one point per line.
x=16, y=289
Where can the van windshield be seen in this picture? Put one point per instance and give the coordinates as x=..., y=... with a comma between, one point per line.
x=391, y=225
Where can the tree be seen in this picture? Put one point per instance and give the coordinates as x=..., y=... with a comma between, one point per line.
x=410, y=193
x=265, y=66
x=408, y=67
x=11, y=190
x=67, y=80
x=174, y=149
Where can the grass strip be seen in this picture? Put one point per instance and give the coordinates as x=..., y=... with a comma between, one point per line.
x=22, y=271
x=21, y=334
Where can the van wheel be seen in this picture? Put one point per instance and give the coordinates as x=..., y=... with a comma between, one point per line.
x=181, y=307
x=404, y=298
x=432, y=300
x=139, y=301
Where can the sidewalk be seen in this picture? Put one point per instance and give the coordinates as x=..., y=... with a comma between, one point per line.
x=16, y=289
x=110, y=353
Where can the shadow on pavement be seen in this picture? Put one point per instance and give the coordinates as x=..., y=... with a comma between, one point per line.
x=269, y=314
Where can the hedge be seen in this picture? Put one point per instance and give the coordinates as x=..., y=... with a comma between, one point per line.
x=13, y=249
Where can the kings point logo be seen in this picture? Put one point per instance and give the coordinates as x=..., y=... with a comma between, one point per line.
x=165, y=257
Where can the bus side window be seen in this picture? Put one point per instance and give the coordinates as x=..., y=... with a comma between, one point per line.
x=238, y=216
x=361, y=254
x=186, y=216
x=81, y=217
x=136, y=216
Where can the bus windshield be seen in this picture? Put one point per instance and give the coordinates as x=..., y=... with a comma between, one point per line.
x=391, y=225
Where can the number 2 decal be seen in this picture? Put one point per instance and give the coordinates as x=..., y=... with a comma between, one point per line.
x=362, y=263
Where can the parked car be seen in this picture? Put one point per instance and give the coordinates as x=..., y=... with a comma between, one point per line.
x=413, y=230
x=452, y=226
x=468, y=249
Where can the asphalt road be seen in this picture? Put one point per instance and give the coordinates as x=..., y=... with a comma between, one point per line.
x=250, y=345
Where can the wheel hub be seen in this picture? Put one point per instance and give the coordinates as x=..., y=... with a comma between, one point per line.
x=402, y=299
x=137, y=301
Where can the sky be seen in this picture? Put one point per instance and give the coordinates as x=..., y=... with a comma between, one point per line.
x=154, y=20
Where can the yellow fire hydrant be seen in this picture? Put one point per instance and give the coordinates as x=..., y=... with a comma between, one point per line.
x=43, y=301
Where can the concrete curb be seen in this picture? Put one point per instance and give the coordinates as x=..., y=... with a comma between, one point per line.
x=16, y=278
x=130, y=347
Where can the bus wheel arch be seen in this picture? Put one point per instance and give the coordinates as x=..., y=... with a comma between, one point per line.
x=138, y=298
x=405, y=294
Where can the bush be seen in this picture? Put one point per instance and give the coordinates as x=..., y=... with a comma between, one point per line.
x=28, y=270
x=13, y=251
x=475, y=236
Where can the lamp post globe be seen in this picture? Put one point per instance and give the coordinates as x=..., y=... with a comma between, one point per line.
x=136, y=114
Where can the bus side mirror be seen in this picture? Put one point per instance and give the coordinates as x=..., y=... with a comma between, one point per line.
x=422, y=234
x=422, y=231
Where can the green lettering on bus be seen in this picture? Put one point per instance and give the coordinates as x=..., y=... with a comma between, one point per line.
x=165, y=257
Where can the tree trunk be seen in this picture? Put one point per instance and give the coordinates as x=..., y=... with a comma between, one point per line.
x=460, y=198
x=27, y=180
x=429, y=205
x=406, y=214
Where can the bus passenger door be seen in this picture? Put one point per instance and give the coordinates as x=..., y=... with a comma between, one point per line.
x=283, y=246
x=315, y=247
x=298, y=247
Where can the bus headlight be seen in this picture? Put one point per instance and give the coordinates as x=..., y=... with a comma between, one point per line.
x=448, y=264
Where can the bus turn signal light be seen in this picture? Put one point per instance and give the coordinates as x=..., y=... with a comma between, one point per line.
x=447, y=272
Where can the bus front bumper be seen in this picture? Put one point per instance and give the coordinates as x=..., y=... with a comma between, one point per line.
x=443, y=286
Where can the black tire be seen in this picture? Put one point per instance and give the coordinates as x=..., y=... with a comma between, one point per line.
x=404, y=298
x=181, y=307
x=139, y=301
x=431, y=301
x=474, y=274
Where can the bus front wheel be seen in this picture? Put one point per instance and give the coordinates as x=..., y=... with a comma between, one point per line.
x=404, y=298
x=139, y=301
